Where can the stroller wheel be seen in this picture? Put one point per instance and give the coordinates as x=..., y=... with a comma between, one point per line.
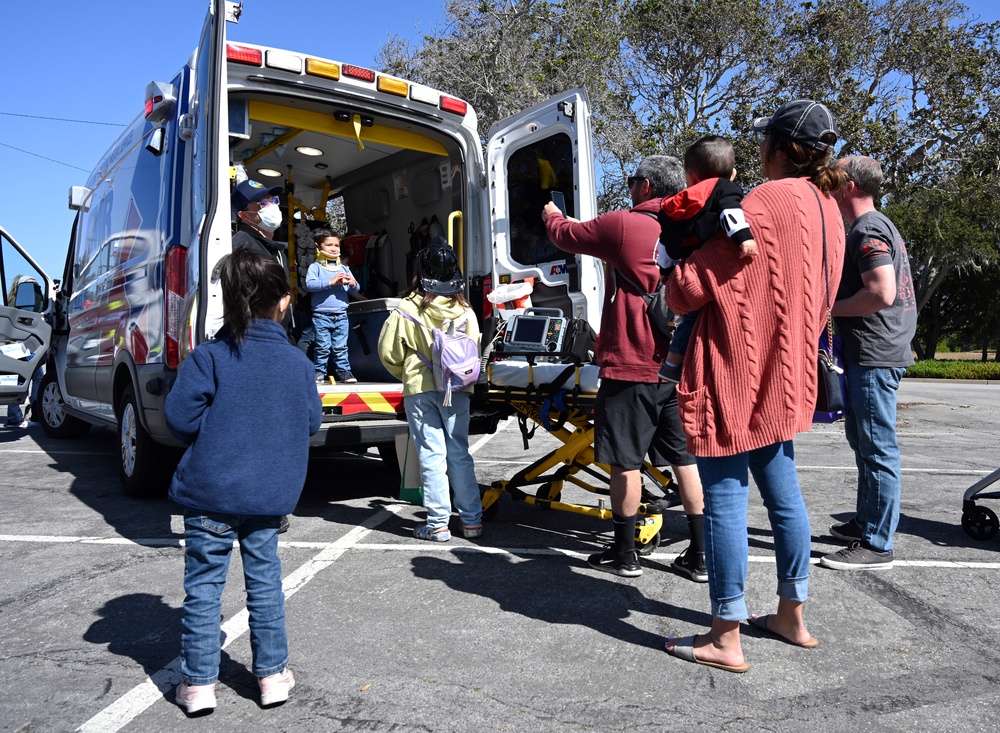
x=980, y=523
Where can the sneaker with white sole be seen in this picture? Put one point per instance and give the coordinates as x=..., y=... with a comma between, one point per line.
x=195, y=699
x=274, y=688
x=609, y=561
x=691, y=564
x=857, y=557
x=848, y=531
x=423, y=532
x=472, y=532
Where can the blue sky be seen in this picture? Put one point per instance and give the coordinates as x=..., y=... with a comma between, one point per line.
x=91, y=61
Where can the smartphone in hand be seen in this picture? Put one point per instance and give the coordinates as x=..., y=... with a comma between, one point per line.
x=559, y=200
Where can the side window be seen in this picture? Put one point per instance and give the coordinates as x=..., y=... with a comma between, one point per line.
x=533, y=173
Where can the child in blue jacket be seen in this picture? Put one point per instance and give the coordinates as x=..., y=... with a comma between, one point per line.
x=246, y=404
x=330, y=283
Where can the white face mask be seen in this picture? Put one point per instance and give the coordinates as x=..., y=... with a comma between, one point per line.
x=270, y=218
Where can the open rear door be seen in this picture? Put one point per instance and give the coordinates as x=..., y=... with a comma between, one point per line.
x=25, y=334
x=209, y=165
x=533, y=157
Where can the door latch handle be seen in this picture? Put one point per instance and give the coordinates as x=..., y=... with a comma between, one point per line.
x=26, y=320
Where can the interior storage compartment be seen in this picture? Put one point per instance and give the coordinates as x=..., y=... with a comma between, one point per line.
x=366, y=318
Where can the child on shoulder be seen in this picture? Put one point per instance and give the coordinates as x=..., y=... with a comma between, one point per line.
x=239, y=474
x=440, y=431
x=330, y=283
x=691, y=217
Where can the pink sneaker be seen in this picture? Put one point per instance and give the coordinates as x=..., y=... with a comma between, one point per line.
x=274, y=688
x=195, y=698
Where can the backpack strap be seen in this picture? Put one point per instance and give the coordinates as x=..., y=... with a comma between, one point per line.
x=416, y=320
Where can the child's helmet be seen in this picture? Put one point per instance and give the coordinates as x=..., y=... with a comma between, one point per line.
x=438, y=270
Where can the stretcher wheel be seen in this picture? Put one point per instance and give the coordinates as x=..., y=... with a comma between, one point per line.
x=980, y=523
x=648, y=548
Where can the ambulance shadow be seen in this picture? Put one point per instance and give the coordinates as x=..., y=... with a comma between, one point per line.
x=335, y=477
x=555, y=590
x=92, y=462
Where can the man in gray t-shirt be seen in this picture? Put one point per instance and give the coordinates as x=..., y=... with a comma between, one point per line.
x=876, y=316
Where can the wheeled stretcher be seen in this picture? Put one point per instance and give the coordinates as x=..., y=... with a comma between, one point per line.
x=559, y=396
x=980, y=522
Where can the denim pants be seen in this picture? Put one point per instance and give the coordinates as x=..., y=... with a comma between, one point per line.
x=727, y=492
x=870, y=427
x=682, y=333
x=441, y=435
x=15, y=412
x=208, y=544
x=331, y=335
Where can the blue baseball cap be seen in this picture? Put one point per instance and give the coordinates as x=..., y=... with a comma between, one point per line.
x=249, y=191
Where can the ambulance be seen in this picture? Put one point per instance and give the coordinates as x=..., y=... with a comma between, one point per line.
x=397, y=161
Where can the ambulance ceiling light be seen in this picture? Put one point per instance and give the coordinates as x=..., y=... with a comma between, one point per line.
x=307, y=150
x=269, y=172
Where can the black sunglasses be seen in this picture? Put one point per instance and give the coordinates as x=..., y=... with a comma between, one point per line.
x=631, y=181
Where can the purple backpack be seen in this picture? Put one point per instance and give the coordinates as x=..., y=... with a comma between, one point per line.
x=455, y=362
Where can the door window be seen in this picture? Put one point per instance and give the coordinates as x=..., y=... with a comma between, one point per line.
x=533, y=173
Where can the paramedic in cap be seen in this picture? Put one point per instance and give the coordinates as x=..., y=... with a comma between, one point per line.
x=258, y=216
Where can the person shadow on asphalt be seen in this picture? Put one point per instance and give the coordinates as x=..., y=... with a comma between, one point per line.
x=556, y=591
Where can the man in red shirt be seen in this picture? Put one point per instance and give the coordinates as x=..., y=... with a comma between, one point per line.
x=635, y=411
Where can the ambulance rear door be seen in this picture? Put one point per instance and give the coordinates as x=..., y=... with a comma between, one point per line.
x=533, y=157
x=25, y=334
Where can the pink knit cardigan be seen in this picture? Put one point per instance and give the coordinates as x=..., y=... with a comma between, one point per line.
x=750, y=369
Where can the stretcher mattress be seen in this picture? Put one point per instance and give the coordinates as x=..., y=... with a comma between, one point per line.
x=511, y=373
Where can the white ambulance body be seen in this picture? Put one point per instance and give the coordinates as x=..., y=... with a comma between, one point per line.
x=405, y=161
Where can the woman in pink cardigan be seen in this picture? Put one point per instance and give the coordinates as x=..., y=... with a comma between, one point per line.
x=749, y=381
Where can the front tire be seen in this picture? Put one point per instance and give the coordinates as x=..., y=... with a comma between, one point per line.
x=49, y=410
x=144, y=467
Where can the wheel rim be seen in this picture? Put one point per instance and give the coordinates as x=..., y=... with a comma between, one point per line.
x=128, y=439
x=52, y=405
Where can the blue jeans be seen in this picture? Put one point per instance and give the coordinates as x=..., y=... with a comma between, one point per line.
x=727, y=492
x=682, y=333
x=870, y=427
x=441, y=435
x=208, y=544
x=331, y=335
x=15, y=413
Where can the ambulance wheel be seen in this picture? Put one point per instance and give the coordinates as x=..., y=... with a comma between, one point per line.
x=48, y=410
x=980, y=523
x=144, y=467
x=648, y=548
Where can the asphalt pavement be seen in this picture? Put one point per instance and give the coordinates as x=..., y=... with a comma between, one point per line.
x=512, y=632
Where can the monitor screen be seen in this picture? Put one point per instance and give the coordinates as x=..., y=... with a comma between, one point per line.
x=530, y=329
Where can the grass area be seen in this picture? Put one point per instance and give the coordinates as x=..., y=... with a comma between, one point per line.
x=953, y=369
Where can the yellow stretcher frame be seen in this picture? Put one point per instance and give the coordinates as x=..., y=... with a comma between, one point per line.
x=569, y=418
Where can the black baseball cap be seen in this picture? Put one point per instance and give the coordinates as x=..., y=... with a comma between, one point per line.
x=803, y=120
x=249, y=191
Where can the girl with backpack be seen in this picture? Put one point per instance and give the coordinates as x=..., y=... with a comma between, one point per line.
x=433, y=310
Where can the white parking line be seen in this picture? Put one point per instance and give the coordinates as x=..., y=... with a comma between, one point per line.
x=130, y=705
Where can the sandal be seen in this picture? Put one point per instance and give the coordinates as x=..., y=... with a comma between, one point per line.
x=423, y=532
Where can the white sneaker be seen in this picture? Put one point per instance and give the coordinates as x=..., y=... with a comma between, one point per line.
x=195, y=698
x=274, y=688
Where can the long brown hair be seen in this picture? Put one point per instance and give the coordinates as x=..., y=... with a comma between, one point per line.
x=252, y=285
x=801, y=161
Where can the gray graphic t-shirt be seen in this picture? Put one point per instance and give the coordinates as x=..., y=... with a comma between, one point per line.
x=880, y=339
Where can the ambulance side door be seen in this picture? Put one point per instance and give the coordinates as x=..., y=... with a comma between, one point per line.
x=531, y=155
x=25, y=334
x=206, y=129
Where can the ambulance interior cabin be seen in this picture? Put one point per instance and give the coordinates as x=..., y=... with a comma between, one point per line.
x=396, y=183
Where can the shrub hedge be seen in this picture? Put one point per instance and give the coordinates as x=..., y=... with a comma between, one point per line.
x=953, y=369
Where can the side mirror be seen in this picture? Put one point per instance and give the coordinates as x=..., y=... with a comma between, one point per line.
x=29, y=297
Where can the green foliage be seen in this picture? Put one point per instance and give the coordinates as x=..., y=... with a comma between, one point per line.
x=954, y=369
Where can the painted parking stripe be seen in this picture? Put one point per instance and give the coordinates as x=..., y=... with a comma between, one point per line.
x=130, y=705
x=352, y=542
